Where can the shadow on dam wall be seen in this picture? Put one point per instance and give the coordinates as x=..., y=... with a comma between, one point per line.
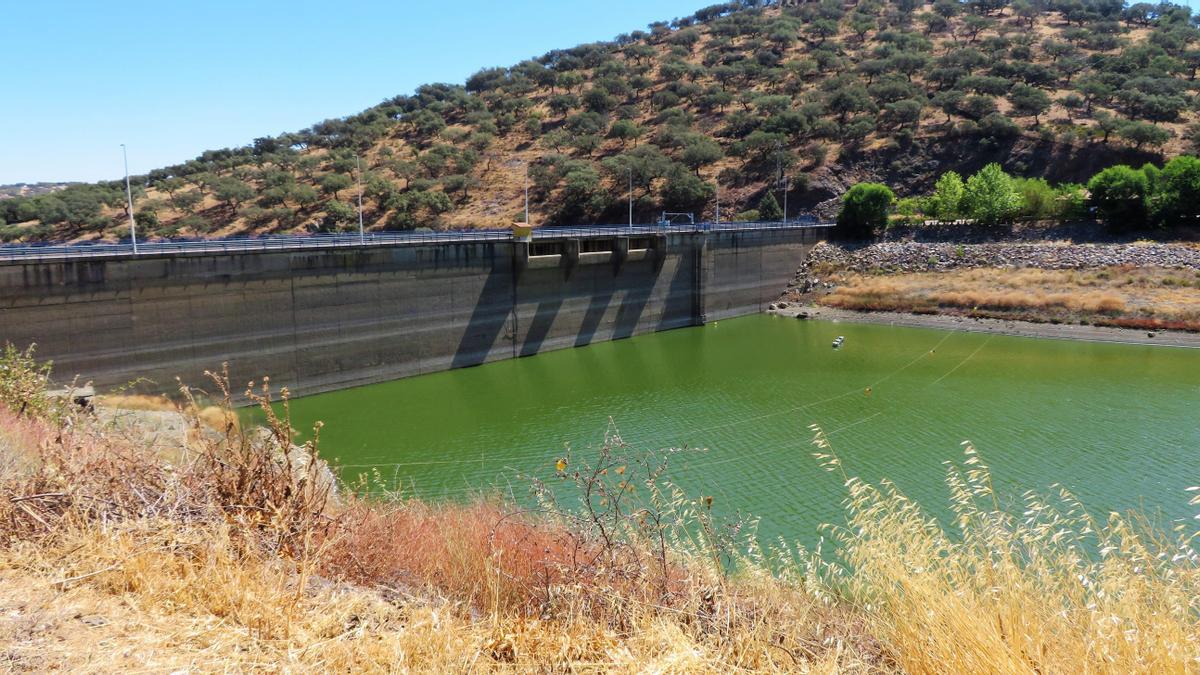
x=328, y=319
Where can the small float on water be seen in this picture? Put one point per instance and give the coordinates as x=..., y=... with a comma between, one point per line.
x=838, y=342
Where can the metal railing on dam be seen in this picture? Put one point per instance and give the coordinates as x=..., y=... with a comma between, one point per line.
x=273, y=243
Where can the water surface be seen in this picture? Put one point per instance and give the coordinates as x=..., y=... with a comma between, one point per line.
x=1119, y=425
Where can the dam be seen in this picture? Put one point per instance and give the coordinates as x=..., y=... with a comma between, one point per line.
x=320, y=315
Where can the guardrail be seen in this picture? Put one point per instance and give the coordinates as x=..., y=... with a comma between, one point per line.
x=16, y=253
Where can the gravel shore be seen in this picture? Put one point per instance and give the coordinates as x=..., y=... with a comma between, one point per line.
x=997, y=326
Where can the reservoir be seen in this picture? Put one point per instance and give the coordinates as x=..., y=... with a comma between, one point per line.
x=1117, y=425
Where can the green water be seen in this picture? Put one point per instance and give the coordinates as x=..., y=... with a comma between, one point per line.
x=1119, y=425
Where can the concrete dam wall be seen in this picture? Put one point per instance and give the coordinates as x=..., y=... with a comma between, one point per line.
x=318, y=320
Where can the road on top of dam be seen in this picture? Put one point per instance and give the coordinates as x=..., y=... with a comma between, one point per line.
x=92, y=251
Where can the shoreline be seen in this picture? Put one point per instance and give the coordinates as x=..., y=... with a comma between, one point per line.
x=1012, y=328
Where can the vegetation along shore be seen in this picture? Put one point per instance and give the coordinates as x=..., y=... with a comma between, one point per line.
x=1148, y=287
x=232, y=548
x=1108, y=279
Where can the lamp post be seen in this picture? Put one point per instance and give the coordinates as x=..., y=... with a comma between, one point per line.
x=787, y=186
x=630, y=197
x=129, y=200
x=526, y=193
x=362, y=237
x=718, y=194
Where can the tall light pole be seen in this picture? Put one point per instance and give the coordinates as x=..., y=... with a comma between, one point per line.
x=362, y=237
x=787, y=186
x=630, y=197
x=526, y=193
x=718, y=193
x=129, y=200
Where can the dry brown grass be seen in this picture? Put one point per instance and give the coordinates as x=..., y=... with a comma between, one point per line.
x=1048, y=590
x=234, y=559
x=1106, y=296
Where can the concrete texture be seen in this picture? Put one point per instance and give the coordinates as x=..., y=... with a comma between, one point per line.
x=322, y=320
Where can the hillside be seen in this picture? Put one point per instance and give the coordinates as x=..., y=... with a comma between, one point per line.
x=724, y=103
x=30, y=189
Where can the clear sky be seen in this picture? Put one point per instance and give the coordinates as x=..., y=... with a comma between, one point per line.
x=171, y=78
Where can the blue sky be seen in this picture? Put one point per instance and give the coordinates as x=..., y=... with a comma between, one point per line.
x=172, y=79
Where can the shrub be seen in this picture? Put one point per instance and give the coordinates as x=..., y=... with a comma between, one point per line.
x=947, y=197
x=196, y=224
x=1038, y=200
x=1176, y=192
x=864, y=209
x=11, y=232
x=768, y=208
x=1071, y=199
x=338, y=213
x=1119, y=194
x=910, y=210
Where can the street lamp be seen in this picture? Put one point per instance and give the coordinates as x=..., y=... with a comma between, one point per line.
x=718, y=194
x=129, y=200
x=630, y=197
x=362, y=237
x=787, y=187
x=526, y=193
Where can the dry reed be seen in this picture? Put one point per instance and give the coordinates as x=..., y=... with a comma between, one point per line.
x=1108, y=296
x=238, y=556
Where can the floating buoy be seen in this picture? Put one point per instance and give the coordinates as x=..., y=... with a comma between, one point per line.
x=867, y=391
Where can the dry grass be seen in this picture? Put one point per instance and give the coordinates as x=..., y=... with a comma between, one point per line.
x=1048, y=590
x=236, y=558
x=1108, y=296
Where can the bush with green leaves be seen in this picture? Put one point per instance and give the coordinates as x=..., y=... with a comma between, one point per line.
x=864, y=210
x=910, y=210
x=23, y=383
x=990, y=197
x=1039, y=201
x=945, y=202
x=1120, y=194
x=769, y=209
x=1175, y=193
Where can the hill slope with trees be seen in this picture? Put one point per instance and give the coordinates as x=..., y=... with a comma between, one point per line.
x=730, y=104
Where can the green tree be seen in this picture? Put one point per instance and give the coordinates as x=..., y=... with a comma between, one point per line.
x=1142, y=133
x=699, y=151
x=187, y=201
x=1029, y=101
x=232, y=191
x=305, y=195
x=947, y=196
x=989, y=196
x=768, y=208
x=1176, y=193
x=864, y=209
x=684, y=191
x=850, y=99
x=1119, y=195
x=625, y=130
x=460, y=183
x=338, y=213
x=332, y=183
